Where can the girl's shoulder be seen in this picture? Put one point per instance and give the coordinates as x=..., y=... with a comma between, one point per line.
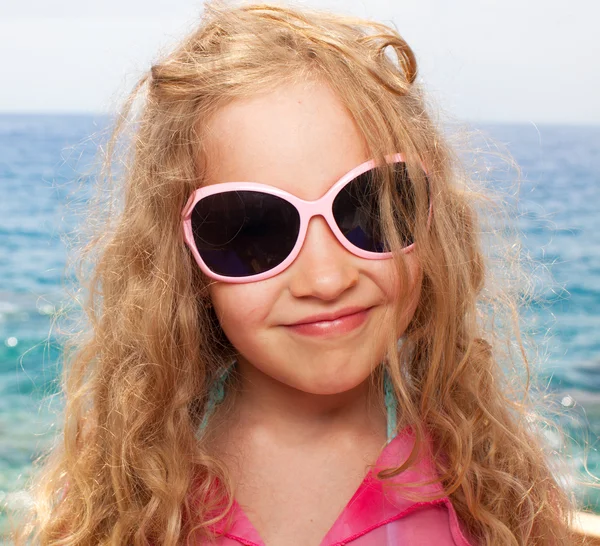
x=396, y=519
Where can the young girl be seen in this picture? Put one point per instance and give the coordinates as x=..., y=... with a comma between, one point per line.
x=288, y=341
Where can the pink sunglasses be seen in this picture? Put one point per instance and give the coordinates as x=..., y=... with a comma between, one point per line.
x=246, y=231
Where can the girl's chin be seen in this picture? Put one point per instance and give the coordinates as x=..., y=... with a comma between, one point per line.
x=316, y=377
x=327, y=386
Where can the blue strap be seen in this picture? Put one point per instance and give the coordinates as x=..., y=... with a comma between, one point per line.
x=391, y=406
x=217, y=394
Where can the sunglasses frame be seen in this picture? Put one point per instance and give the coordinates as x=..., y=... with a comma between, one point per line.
x=306, y=209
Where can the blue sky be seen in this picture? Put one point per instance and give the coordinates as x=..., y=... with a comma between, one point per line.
x=480, y=60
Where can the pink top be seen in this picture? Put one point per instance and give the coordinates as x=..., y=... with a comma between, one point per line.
x=374, y=516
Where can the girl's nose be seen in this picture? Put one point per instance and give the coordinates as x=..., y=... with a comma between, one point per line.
x=323, y=269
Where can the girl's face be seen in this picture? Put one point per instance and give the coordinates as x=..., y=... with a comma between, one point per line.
x=302, y=140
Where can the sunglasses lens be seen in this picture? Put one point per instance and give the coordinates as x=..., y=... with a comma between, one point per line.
x=357, y=213
x=244, y=233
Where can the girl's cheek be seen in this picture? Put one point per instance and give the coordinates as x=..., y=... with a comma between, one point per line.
x=404, y=289
x=241, y=305
x=412, y=282
x=391, y=282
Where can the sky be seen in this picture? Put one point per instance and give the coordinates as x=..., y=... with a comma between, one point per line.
x=525, y=61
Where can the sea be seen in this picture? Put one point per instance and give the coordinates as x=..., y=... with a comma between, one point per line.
x=553, y=178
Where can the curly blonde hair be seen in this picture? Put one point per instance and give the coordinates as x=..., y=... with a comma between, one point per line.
x=131, y=469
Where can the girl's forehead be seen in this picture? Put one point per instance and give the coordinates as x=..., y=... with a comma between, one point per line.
x=299, y=138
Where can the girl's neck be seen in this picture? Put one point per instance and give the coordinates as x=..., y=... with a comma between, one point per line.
x=278, y=410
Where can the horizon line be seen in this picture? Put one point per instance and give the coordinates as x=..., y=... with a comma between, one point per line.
x=104, y=114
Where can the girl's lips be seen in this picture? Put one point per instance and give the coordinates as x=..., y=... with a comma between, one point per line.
x=340, y=325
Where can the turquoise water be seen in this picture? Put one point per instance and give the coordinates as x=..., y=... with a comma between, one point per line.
x=559, y=216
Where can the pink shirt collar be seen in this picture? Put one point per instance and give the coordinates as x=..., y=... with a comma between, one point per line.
x=372, y=505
